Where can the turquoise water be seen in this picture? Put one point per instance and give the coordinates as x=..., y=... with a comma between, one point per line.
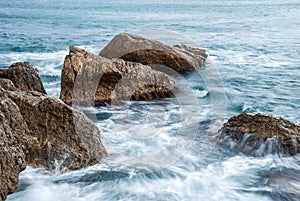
x=254, y=64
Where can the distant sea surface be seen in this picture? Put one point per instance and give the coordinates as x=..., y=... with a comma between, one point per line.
x=254, y=54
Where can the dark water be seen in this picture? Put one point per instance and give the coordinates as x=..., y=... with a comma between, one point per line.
x=159, y=150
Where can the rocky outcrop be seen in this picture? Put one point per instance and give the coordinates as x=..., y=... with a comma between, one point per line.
x=24, y=76
x=180, y=58
x=95, y=80
x=64, y=138
x=41, y=131
x=258, y=135
x=13, y=145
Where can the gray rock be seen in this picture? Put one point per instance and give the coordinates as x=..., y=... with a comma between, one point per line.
x=180, y=58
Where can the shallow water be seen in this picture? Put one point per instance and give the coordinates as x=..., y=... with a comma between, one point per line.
x=160, y=150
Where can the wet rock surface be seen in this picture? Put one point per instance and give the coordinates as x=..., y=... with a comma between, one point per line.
x=88, y=79
x=24, y=76
x=259, y=134
x=180, y=58
x=41, y=131
x=64, y=138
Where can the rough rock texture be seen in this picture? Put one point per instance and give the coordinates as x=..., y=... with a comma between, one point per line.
x=63, y=137
x=7, y=84
x=258, y=134
x=91, y=79
x=13, y=145
x=180, y=58
x=40, y=131
x=24, y=76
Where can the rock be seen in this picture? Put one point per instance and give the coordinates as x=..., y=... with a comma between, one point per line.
x=63, y=137
x=89, y=79
x=40, y=131
x=24, y=76
x=258, y=135
x=7, y=84
x=180, y=58
x=13, y=145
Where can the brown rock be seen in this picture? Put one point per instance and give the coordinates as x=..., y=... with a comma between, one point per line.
x=13, y=145
x=40, y=131
x=24, y=76
x=258, y=135
x=63, y=137
x=92, y=79
x=7, y=84
x=180, y=58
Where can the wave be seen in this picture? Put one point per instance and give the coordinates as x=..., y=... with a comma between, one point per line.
x=49, y=63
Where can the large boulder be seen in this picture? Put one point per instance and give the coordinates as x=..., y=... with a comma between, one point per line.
x=63, y=137
x=180, y=58
x=24, y=76
x=259, y=134
x=13, y=145
x=40, y=131
x=95, y=80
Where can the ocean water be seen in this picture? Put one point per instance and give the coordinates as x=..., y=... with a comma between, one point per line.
x=161, y=150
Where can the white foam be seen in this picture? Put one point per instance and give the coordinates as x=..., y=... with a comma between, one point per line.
x=48, y=63
x=224, y=180
x=243, y=58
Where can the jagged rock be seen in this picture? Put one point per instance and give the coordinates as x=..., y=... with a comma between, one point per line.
x=258, y=135
x=91, y=79
x=180, y=58
x=63, y=137
x=13, y=145
x=24, y=77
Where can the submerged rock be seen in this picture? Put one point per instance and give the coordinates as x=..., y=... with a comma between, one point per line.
x=89, y=79
x=258, y=135
x=24, y=77
x=180, y=58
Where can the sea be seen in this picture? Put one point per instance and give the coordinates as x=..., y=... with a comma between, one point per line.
x=165, y=149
